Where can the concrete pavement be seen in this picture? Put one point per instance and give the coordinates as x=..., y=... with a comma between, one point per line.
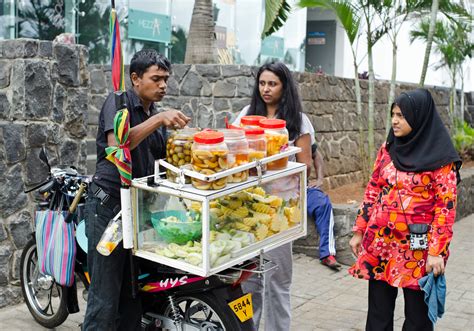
x=326, y=300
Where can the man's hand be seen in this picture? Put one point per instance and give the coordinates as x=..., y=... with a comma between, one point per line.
x=173, y=119
x=356, y=243
x=435, y=264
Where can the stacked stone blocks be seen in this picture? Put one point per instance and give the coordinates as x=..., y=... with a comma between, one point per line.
x=43, y=103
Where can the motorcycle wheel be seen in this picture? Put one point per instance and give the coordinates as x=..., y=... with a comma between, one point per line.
x=205, y=311
x=44, y=298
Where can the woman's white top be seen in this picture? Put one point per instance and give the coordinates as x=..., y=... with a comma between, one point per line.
x=287, y=187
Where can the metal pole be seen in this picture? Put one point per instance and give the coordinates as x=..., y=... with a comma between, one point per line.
x=11, y=9
x=71, y=17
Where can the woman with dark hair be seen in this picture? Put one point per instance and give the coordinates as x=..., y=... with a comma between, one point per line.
x=405, y=223
x=283, y=105
x=275, y=96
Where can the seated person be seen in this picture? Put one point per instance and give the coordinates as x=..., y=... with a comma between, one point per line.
x=320, y=208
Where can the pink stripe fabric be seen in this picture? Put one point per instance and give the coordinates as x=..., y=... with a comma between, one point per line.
x=56, y=246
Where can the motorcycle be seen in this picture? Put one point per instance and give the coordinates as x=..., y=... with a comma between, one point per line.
x=171, y=299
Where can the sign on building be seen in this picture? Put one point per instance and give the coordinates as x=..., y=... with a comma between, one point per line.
x=316, y=38
x=221, y=36
x=149, y=26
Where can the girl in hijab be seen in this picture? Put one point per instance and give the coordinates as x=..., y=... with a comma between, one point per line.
x=405, y=223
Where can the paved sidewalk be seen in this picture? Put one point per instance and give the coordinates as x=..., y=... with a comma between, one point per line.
x=326, y=300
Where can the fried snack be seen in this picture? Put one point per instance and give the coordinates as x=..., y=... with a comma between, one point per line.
x=178, y=153
x=276, y=143
x=237, y=160
x=208, y=163
x=255, y=155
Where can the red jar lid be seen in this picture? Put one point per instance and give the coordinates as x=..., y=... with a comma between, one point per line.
x=253, y=131
x=273, y=123
x=251, y=119
x=234, y=127
x=209, y=137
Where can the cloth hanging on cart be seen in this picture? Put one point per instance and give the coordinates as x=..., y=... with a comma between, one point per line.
x=56, y=245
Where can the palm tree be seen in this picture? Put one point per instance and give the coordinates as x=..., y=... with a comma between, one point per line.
x=451, y=40
x=348, y=16
x=371, y=9
x=450, y=10
x=276, y=14
x=429, y=40
x=398, y=12
x=351, y=15
x=201, y=43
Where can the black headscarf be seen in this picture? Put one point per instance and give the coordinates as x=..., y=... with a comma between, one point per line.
x=428, y=146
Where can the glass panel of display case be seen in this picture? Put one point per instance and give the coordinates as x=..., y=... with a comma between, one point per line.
x=170, y=226
x=204, y=232
x=242, y=219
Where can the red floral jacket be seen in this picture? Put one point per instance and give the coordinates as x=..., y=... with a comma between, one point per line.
x=426, y=197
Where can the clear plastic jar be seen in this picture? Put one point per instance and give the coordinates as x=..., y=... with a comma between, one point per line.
x=277, y=141
x=238, y=153
x=178, y=150
x=257, y=147
x=209, y=156
x=251, y=121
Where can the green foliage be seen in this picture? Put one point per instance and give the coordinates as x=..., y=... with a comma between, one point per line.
x=97, y=38
x=463, y=140
x=39, y=19
x=178, y=46
x=177, y=49
x=276, y=14
x=451, y=40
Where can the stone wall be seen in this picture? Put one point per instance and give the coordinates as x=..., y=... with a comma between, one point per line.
x=345, y=214
x=209, y=93
x=43, y=102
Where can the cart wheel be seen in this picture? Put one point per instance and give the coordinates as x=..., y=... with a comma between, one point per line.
x=205, y=311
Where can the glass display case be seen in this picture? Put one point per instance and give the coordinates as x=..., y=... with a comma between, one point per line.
x=204, y=232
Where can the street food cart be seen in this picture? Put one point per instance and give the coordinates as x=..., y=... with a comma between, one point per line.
x=206, y=231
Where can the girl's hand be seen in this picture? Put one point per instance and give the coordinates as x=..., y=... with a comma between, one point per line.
x=356, y=243
x=435, y=264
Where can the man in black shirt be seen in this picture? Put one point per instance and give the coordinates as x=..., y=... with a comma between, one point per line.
x=110, y=305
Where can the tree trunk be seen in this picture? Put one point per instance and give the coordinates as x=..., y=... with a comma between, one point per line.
x=391, y=94
x=429, y=40
x=452, y=99
x=461, y=106
x=371, y=113
x=201, y=43
x=455, y=97
x=362, y=155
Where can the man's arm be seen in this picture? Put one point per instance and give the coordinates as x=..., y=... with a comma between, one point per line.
x=171, y=118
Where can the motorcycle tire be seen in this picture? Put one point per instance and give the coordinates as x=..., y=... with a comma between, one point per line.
x=34, y=286
x=228, y=320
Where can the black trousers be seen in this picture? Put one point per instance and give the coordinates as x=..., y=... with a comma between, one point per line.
x=110, y=305
x=382, y=298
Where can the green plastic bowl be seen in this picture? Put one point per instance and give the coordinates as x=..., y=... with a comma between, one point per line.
x=176, y=232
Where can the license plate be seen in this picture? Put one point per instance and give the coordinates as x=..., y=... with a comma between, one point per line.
x=242, y=307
